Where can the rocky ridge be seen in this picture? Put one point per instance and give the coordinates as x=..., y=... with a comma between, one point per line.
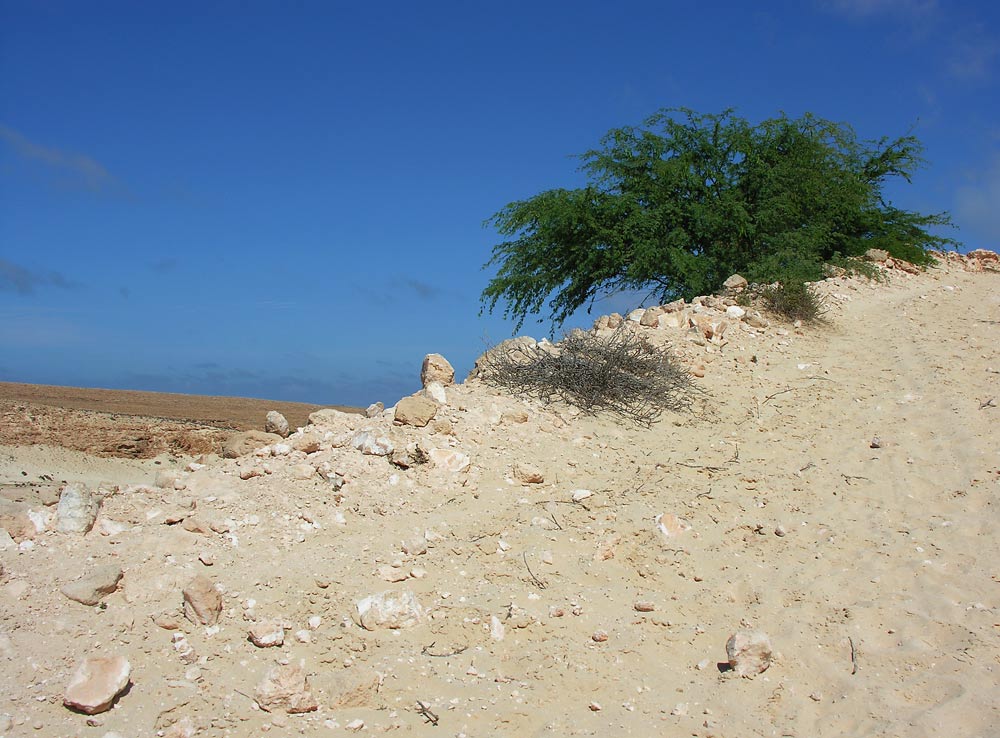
x=480, y=564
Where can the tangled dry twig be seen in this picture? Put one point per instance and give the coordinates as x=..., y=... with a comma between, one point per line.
x=622, y=373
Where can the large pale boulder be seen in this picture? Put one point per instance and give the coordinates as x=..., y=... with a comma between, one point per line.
x=77, y=509
x=202, y=601
x=245, y=442
x=711, y=327
x=735, y=283
x=15, y=519
x=372, y=443
x=276, y=423
x=285, y=687
x=416, y=410
x=95, y=586
x=672, y=320
x=390, y=610
x=650, y=316
x=436, y=369
x=519, y=350
x=97, y=681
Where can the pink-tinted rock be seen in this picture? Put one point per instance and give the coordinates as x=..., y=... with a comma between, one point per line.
x=749, y=652
x=202, y=601
x=97, y=681
x=286, y=688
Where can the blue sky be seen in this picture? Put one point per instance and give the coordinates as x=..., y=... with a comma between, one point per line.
x=286, y=199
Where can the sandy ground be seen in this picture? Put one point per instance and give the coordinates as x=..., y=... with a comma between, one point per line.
x=840, y=482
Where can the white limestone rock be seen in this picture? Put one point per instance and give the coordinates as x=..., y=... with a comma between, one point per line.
x=276, y=423
x=389, y=610
x=77, y=509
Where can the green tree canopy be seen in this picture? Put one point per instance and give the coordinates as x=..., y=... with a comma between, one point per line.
x=678, y=206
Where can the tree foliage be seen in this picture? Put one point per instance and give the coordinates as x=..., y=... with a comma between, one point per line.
x=679, y=205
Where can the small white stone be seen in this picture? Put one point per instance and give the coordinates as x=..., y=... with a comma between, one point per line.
x=579, y=495
x=497, y=630
x=355, y=725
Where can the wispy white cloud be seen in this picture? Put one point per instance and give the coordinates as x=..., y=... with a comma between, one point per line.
x=23, y=281
x=973, y=53
x=867, y=8
x=82, y=170
x=968, y=49
x=976, y=206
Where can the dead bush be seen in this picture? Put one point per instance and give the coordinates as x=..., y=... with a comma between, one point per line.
x=621, y=373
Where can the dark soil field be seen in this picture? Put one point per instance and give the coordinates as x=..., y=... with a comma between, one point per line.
x=131, y=424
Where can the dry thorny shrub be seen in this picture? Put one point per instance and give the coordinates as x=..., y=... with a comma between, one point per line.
x=621, y=373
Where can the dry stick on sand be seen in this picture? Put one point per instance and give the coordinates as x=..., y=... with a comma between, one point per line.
x=536, y=580
x=426, y=651
x=424, y=710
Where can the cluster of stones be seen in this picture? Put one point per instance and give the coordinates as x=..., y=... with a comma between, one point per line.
x=706, y=318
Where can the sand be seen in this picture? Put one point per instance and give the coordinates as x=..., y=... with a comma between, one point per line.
x=840, y=482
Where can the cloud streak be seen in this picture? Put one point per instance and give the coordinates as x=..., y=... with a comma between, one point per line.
x=868, y=8
x=976, y=206
x=82, y=170
x=16, y=278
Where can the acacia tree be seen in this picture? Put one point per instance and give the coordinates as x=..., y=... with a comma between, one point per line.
x=678, y=206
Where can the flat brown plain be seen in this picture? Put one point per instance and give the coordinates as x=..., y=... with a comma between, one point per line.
x=130, y=424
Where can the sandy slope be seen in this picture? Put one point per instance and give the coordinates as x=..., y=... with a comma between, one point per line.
x=890, y=553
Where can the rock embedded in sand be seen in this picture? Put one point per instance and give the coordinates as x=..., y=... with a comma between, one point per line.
x=96, y=682
x=446, y=458
x=16, y=521
x=285, y=687
x=436, y=368
x=415, y=410
x=92, y=588
x=77, y=509
x=302, y=471
x=670, y=525
x=246, y=442
x=267, y=633
x=390, y=610
x=749, y=652
x=755, y=320
x=276, y=423
x=528, y=473
x=202, y=601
